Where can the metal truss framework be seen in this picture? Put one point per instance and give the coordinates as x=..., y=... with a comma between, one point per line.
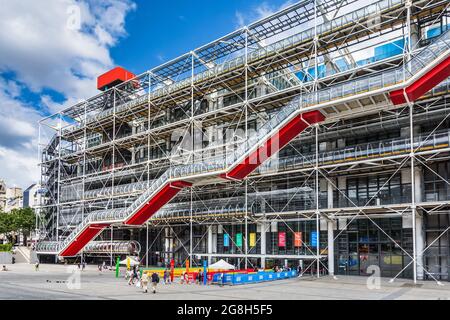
x=103, y=153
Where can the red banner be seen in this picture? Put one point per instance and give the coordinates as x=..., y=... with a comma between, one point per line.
x=297, y=239
x=282, y=239
x=172, y=267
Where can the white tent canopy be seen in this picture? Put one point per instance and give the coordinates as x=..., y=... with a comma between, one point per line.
x=133, y=261
x=221, y=265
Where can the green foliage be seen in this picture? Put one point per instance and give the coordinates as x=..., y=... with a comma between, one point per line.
x=18, y=220
x=5, y=247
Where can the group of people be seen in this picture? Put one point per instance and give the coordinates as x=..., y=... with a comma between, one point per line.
x=287, y=268
x=133, y=276
x=199, y=277
x=102, y=266
x=82, y=265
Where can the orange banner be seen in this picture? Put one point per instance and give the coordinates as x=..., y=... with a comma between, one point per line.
x=297, y=239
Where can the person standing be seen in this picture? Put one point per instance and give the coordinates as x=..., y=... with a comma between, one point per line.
x=299, y=270
x=129, y=276
x=165, y=276
x=155, y=280
x=36, y=266
x=144, y=282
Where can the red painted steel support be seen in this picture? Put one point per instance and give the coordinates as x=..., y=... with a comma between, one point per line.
x=424, y=84
x=272, y=145
x=167, y=193
x=82, y=240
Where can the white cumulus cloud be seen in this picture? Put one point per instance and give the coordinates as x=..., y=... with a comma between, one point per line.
x=58, y=45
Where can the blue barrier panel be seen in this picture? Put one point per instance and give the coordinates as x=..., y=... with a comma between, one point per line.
x=261, y=276
x=228, y=278
x=243, y=278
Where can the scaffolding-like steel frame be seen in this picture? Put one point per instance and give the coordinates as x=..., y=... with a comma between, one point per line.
x=103, y=153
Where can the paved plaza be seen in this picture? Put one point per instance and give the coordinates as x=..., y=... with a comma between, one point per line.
x=52, y=282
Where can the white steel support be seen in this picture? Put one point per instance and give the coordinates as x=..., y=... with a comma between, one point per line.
x=246, y=141
x=58, y=208
x=191, y=220
x=413, y=192
x=419, y=229
x=210, y=243
x=264, y=227
x=146, y=245
x=111, y=253
x=113, y=148
x=317, y=200
x=167, y=232
x=316, y=145
x=330, y=231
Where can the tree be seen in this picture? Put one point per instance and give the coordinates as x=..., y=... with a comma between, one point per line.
x=18, y=220
x=7, y=225
x=25, y=222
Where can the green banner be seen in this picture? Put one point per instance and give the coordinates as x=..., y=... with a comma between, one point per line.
x=239, y=239
x=117, y=267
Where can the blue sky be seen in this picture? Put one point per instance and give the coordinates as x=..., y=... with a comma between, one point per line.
x=161, y=30
x=53, y=50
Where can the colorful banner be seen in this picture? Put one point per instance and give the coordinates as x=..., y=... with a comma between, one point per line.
x=187, y=265
x=226, y=240
x=117, y=267
x=282, y=239
x=205, y=272
x=239, y=239
x=313, y=239
x=172, y=268
x=252, y=239
x=297, y=239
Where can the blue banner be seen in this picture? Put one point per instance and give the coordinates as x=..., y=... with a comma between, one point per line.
x=205, y=272
x=313, y=239
x=226, y=240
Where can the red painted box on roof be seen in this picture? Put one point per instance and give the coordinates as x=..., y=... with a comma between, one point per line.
x=113, y=77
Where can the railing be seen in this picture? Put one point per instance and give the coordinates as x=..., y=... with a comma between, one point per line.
x=380, y=149
x=348, y=88
x=68, y=195
x=117, y=247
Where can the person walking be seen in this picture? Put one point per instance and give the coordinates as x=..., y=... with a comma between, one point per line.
x=129, y=276
x=198, y=276
x=155, y=281
x=144, y=282
x=167, y=275
x=299, y=270
x=132, y=275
